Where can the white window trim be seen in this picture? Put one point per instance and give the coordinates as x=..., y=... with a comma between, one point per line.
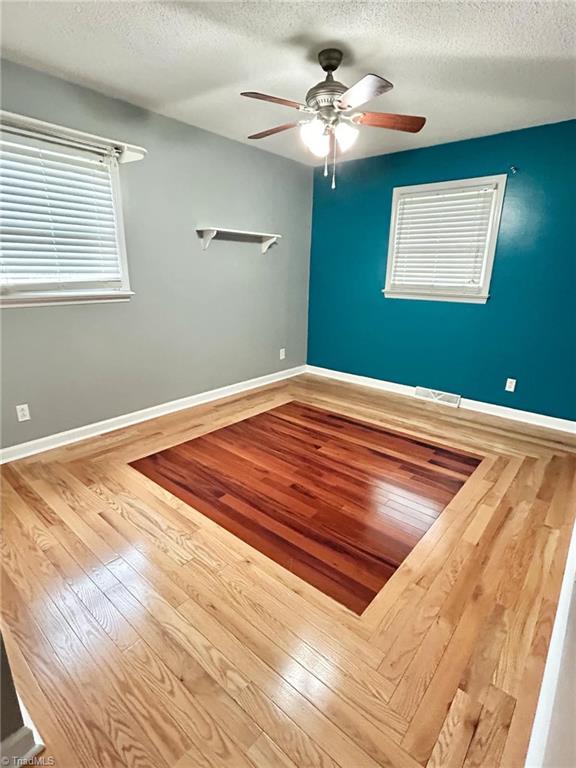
x=456, y=295
x=124, y=153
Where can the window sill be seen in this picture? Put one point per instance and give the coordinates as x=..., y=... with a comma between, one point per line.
x=436, y=297
x=47, y=299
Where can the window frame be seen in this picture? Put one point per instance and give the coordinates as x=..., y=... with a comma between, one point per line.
x=429, y=294
x=14, y=125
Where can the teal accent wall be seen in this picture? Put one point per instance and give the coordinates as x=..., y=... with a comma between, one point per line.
x=526, y=330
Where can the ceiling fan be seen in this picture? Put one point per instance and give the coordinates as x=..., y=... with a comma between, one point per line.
x=332, y=111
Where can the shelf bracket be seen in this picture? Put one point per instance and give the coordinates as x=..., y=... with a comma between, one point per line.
x=266, y=244
x=207, y=236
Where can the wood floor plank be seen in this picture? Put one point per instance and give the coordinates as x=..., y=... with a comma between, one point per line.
x=419, y=672
x=454, y=740
x=265, y=753
x=518, y=640
x=426, y=724
x=516, y=745
x=403, y=647
x=477, y=676
x=206, y=734
x=491, y=732
x=283, y=731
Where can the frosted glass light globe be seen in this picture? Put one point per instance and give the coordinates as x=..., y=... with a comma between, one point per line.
x=346, y=135
x=314, y=136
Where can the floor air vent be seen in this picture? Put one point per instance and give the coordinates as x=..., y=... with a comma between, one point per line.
x=447, y=398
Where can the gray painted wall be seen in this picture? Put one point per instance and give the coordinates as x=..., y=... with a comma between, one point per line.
x=199, y=319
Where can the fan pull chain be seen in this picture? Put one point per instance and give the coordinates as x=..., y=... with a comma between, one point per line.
x=326, y=166
x=334, y=163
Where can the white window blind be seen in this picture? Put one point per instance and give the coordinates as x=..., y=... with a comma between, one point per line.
x=442, y=239
x=60, y=224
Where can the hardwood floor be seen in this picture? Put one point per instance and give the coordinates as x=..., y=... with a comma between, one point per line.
x=337, y=501
x=141, y=633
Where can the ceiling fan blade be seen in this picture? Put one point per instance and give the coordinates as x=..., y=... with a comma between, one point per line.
x=273, y=99
x=271, y=131
x=366, y=89
x=408, y=123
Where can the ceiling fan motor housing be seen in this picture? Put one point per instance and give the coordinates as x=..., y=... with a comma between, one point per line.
x=325, y=93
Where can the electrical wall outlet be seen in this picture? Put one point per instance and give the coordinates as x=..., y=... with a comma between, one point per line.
x=510, y=385
x=282, y=354
x=23, y=412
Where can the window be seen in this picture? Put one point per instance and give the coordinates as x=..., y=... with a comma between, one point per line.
x=442, y=239
x=61, y=233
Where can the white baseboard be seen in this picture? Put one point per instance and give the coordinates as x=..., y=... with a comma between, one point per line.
x=22, y=450
x=525, y=417
x=363, y=381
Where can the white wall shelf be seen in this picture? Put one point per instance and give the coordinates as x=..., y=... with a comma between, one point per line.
x=207, y=234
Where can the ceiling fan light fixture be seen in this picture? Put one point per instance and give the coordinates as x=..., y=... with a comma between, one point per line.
x=333, y=121
x=346, y=135
x=313, y=134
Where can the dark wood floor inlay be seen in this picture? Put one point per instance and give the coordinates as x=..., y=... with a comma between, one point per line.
x=337, y=501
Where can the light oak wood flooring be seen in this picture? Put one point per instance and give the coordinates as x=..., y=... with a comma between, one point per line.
x=143, y=634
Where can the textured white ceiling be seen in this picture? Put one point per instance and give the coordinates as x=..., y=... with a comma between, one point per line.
x=472, y=68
